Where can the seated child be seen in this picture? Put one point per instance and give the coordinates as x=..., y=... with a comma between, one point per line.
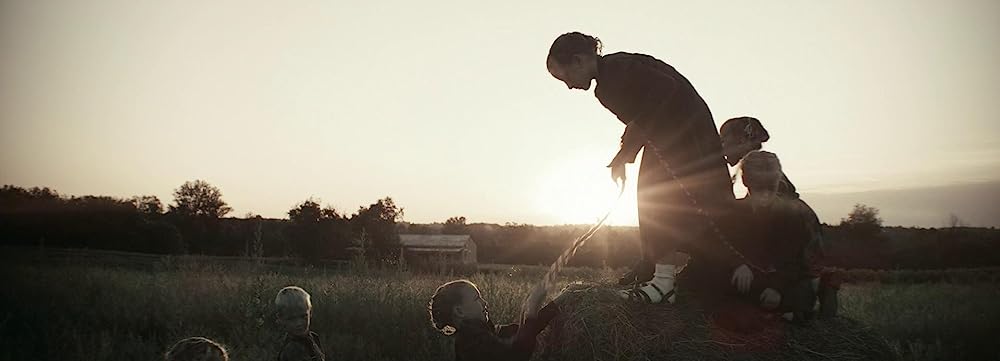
x=771, y=245
x=743, y=135
x=780, y=235
x=196, y=349
x=294, y=312
x=457, y=308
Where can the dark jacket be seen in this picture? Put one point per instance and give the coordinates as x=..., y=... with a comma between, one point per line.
x=783, y=237
x=786, y=189
x=484, y=341
x=667, y=108
x=301, y=348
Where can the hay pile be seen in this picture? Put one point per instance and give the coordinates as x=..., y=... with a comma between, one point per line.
x=596, y=325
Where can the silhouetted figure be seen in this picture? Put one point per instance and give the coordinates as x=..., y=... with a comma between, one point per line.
x=782, y=235
x=458, y=308
x=743, y=135
x=746, y=134
x=662, y=112
x=778, y=245
x=294, y=308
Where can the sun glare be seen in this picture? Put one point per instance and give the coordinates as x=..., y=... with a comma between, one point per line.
x=580, y=191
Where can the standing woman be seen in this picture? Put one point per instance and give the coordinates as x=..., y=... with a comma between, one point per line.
x=662, y=111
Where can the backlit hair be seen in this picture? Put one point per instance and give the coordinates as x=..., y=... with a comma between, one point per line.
x=747, y=128
x=292, y=296
x=762, y=175
x=569, y=44
x=196, y=349
x=442, y=303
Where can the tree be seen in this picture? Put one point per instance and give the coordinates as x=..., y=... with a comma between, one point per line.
x=17, y=199
x=317, y=232
x=863, y=221
x=378, y=223
x=254, y=246
x=161, y=237
x=455, y=225
x=954, y=221
x=196, y=211
x=308, y=211
x=147, y=205
x=198, y=198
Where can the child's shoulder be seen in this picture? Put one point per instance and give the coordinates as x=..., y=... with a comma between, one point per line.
x=297, y=348
x=293, y=351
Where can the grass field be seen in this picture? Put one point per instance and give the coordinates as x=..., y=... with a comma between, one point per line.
x=88, y=312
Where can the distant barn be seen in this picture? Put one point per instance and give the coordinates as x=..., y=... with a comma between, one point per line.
x=438, y=248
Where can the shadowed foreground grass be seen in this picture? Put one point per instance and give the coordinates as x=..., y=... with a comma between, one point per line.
x=95, y=313
x=930, y=321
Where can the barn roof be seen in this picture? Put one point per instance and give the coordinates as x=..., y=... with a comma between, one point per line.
x=434, y=240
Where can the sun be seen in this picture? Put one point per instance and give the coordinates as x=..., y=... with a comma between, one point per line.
x=580, y=191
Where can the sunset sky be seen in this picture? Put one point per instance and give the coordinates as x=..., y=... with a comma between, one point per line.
x=447, y=107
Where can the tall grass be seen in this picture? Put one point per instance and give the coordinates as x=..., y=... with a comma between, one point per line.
x=95, y=313
x=931, y=321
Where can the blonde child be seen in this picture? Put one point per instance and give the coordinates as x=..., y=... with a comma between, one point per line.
x=294, y=313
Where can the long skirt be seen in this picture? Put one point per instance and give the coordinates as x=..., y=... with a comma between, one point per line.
x=683, y=183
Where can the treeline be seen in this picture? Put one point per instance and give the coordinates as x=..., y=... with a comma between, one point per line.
x=193, y=223
x=196, y=223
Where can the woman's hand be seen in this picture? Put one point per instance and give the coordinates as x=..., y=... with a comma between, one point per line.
x=770, y=298
x=617, y=171
x=742, y=277
x=632, y=141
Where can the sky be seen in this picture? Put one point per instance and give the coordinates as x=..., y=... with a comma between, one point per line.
x=447, y=107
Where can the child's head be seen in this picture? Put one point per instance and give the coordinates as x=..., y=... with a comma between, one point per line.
x=741, y=136
x=294, y=310
x=761, y=172
x=196, y=349
x=454, y=302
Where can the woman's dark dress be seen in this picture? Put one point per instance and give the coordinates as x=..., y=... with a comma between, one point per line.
x=639, y=88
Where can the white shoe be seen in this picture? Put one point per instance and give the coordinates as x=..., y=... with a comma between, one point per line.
x=660, y=288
